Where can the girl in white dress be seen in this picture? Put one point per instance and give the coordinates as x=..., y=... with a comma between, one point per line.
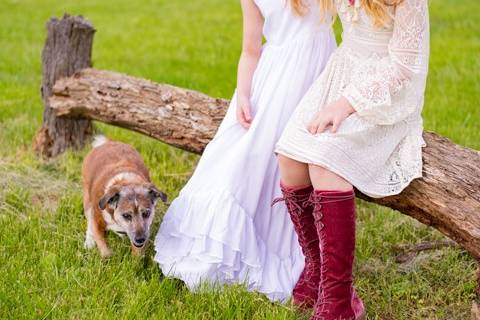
x=359, y=124
x=222, y=228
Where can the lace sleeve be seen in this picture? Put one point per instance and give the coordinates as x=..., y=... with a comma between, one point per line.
x=378, y=88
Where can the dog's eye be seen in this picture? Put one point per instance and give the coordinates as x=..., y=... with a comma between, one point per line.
x=146, y=213
x=127, y=216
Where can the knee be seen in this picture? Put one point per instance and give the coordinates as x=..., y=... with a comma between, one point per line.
x=286, y=162
x=290, y=167
x=324, y=179
x=293, y=173
x=318, y=171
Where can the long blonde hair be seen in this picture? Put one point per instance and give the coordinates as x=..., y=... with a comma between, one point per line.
x=376, y=9
x=299, y=7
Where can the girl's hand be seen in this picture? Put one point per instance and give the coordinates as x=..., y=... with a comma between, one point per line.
x=332, y=115
x=243, y=111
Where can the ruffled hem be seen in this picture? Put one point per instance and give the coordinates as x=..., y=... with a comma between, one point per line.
x=208, y=237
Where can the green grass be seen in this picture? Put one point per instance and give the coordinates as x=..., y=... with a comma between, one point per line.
x=45, y=272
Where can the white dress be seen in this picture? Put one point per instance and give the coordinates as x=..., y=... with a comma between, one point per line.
x=222, y=227
x=382, y=73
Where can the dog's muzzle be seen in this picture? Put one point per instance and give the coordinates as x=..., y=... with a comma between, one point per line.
x=139, y=241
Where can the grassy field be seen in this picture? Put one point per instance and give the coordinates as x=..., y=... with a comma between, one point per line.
x=46, y=274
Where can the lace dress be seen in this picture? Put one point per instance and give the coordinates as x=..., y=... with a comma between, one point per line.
x=382, y=72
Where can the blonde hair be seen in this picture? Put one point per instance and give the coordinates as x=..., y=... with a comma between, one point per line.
x=376, y=9
x=299, y=7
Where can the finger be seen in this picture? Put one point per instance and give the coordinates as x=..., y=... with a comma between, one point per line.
x=312, y=127
x=246, y=118
x=241, y=119
x=322, y=125
x=334, y=126
x=309, y=127
x=239, y=114
x=245, y=124
x=247, y=114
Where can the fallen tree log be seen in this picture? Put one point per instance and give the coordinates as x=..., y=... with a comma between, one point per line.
x=183, y=118
x=446, y=198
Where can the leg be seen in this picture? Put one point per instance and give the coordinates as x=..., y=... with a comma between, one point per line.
x=98, y=233
x=99, y=236
x=292, y=172
x=323, y=179
x=88, y=212
x=89, y=241
x=296, y=199
x=334, y=213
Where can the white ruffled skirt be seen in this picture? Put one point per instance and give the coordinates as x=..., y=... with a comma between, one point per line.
x=222, y=227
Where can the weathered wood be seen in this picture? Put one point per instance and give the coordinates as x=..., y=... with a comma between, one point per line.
x=67, y=49
x=408, y=252
x=446, y=198
x=183, y=118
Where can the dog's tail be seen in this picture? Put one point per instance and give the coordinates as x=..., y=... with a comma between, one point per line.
x=98, y=140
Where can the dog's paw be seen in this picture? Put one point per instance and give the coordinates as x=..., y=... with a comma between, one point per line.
x=89, y=243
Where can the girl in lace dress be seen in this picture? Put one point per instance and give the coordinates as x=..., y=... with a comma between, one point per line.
x=359, y=124
x=222, y=228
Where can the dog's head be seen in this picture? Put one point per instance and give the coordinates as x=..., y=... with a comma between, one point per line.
x=133, y=208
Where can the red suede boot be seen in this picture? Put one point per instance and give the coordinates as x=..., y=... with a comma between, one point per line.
x=334, y=214
x=300, y=209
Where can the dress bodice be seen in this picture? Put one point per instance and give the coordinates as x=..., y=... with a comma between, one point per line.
x=389, y=64
x=283, y=25
x=360, y=33
x=405, y=30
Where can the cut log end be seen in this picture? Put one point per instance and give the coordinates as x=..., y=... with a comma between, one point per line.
x=68, y=48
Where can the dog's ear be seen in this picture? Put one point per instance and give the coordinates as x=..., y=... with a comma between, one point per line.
x=110, y=198
x=155, y=194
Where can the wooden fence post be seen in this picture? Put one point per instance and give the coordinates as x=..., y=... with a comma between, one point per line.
x=68, y=48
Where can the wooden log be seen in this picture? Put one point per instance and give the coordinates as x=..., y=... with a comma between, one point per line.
x=408, y=252
x=182, y=118
x=68, y=48
x=446, y=198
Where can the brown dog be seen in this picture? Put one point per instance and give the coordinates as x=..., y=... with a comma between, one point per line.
x=117, y=195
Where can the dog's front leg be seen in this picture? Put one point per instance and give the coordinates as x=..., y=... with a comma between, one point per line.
x=98, y=233
x=89, y=240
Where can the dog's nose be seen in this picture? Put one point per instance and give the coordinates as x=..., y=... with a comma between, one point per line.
x=140, y=240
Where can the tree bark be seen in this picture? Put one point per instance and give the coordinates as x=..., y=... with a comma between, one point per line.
x=446, y=198
x=68, y=48
x=182, y=118
x=408, y=252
